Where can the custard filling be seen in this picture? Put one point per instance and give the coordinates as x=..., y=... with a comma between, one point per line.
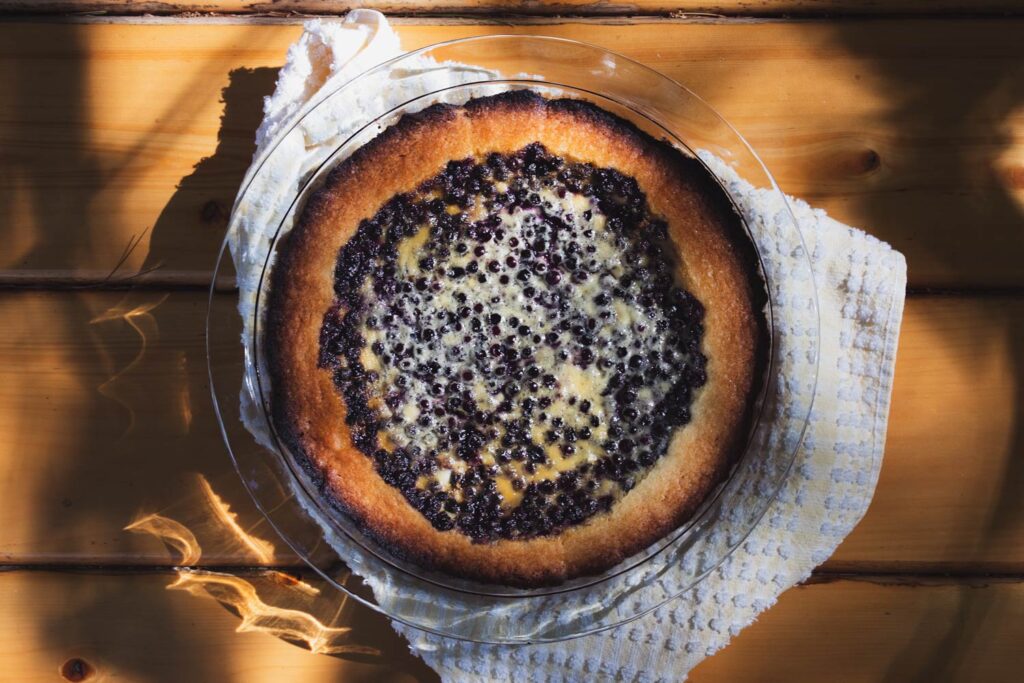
x=512, y=347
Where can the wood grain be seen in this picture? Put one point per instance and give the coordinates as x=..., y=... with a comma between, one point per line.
x=118, y=138
x=850, y=631
x=105, y=414
x=121, y=148
x=522, y=7
x=128, y=627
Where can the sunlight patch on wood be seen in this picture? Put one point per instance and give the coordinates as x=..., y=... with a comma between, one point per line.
x=267, y=600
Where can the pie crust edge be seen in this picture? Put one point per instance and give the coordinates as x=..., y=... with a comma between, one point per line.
x=717, y=265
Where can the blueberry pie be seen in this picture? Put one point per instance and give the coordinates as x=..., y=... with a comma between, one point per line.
x=516, y=340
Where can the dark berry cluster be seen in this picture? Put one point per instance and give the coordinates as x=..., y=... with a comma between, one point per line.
x=512, y=347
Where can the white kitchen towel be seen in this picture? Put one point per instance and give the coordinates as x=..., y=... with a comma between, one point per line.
x=860, y=285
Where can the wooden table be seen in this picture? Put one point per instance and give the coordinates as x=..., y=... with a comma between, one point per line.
x=123, y=139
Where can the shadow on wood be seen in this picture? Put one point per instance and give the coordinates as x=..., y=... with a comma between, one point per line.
x=140, y=365
x=986, y=216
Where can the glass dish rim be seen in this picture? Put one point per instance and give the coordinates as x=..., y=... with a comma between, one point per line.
x=319, y=100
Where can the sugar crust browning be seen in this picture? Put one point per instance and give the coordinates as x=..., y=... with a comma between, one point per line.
x=715, y=264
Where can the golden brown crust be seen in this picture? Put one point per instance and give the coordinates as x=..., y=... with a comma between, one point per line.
x=716, y=266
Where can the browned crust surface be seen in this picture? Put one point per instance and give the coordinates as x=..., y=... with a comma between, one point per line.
x=716, y=265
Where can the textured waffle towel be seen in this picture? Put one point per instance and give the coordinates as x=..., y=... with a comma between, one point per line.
x=860, y=283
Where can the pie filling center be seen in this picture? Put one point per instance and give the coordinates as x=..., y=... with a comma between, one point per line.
x=513, y=350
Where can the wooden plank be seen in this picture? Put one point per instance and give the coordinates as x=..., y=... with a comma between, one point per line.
x=521, y=7
x=850, y=631
x=842, y=631
x=117, y=135
x=129, y=627
x=105, y=414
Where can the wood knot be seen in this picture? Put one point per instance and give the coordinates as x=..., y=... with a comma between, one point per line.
x=869, y=161
x=76, y=669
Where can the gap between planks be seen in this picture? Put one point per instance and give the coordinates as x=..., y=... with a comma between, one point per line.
x=521, y=11
x=477, y=19
x=818, y=576
x=422, y=20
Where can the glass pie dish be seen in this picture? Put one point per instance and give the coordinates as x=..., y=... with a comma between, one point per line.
x=341, y=121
